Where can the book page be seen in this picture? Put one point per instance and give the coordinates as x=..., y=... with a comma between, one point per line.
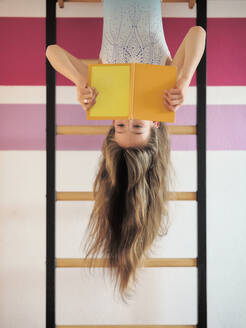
x=150, y=83
x=112, y=81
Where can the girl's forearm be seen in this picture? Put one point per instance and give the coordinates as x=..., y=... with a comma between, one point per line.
x=194, y=49
x=66, y=64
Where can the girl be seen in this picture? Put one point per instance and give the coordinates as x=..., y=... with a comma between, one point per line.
x=134, y=175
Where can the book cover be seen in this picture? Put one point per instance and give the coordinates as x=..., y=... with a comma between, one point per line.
x=131, y=91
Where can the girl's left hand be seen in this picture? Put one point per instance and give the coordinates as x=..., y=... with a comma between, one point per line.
x=174, y=98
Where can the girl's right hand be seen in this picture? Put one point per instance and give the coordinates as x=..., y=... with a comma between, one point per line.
x=86, y=92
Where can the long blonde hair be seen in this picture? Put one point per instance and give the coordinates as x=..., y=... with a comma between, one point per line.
x=130, y=208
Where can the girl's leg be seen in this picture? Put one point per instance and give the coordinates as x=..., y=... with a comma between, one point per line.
x=190, y=52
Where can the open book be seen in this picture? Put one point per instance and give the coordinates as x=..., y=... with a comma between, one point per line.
x=131, y=91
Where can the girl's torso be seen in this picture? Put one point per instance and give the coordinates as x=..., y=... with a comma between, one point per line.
x=133, y=32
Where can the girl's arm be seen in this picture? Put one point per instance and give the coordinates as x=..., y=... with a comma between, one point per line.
x=190, y=52
x=186, y=59
x=75, y=70
x=68, y=65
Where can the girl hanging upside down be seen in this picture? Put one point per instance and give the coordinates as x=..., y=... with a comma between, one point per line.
x=134, y=175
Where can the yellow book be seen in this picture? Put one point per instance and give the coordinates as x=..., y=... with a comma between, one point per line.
x=131, y=91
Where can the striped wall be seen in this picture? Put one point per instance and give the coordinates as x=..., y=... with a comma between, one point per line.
x=23, y=62
x=163, y=296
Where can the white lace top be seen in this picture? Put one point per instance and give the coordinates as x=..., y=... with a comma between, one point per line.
x=133, y=32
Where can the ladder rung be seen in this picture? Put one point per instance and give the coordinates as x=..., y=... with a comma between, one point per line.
x=127, y=326
x=88, y=195
x=103, y=263
x=103, y=129
x=190, y=2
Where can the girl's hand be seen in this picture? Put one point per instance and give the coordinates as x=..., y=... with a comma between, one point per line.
x=174, y=98
x=86, y=92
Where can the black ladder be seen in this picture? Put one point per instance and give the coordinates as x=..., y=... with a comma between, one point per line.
x=52, y=196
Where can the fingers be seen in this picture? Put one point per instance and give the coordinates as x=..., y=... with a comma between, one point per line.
x=173, y=99
x=174, y=91
x=172, y=104
x=90, y=102
x=174, y=94
x=172, y=107
x=92, y=97
x=87, y=94
x=89, y=105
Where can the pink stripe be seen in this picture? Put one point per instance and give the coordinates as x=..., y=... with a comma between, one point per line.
x=226, y=127
x=226, y=49
x=22, y=53
x=22, y=127
x=23, y=47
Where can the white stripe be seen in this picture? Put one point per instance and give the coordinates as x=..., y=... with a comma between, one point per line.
x=227, y=95
x=34, y=8
x=89, y=160
x=23, y=94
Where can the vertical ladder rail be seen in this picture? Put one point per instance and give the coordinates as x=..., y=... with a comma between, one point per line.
x=50, y=167
x=201, y=20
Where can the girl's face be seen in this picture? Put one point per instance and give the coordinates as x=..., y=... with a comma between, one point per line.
x=133, y=133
